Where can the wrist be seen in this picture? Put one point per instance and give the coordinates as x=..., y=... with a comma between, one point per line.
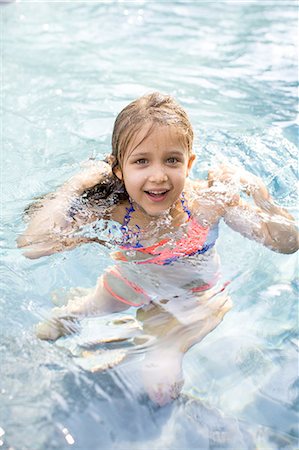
x=74, y=186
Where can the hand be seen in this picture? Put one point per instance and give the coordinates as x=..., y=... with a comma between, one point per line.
x=223, y=186
x=232, y=180
x=60, y=323
x=94, y=172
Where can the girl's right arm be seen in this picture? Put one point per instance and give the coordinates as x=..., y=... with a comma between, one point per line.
x=52, y=224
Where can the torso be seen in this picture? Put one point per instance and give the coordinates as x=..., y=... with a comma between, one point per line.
x=184, y=273
x=190, y=228
x=175, y=225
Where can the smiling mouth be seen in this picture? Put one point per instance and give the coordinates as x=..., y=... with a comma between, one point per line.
x=157, y=195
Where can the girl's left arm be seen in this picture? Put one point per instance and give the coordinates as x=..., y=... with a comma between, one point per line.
x=263, y=221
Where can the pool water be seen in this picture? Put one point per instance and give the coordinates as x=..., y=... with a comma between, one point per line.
x=68, y=68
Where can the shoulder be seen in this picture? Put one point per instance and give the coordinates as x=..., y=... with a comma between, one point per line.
x=196, y=185
x=194, y=189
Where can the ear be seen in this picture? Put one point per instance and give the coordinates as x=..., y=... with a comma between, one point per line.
x=190, y=162
x=117, y=171
x=110, y=159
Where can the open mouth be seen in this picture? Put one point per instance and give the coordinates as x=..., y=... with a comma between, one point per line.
x=157, y=195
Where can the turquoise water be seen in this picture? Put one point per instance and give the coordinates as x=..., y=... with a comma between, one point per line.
x=67, y=70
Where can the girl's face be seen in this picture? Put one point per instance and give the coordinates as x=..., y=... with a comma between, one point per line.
x=155, y=168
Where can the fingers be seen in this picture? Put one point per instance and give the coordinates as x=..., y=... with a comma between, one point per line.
x=92, y=173
x=95, y=164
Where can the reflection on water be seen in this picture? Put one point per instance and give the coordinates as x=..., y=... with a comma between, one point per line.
x=234, y=68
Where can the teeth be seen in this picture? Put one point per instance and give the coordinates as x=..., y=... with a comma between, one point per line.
x=157, y=193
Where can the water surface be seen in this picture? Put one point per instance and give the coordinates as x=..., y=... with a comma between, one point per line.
x=68, y=69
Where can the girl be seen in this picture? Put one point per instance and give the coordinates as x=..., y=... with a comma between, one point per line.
x=166, y=264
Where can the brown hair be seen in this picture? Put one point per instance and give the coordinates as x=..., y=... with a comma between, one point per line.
x=153, y=109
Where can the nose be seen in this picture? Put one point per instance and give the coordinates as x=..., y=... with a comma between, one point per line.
x=158, y=175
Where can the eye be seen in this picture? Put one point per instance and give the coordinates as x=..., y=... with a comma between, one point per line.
x=141, y=161
x=172, y=160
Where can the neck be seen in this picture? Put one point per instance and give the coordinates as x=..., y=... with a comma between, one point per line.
x=174, y=214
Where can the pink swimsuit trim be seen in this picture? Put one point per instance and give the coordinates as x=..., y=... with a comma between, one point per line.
x=129, y=283
x=187, y=246
x=115, y=271
x=195, y=242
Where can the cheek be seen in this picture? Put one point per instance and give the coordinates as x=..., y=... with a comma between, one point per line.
x=180, y=177
x=131, y=177
x=180, y=183
x=133, y=180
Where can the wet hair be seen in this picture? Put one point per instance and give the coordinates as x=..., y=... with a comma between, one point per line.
x=154, y=109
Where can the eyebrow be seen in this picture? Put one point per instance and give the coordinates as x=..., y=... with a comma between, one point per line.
x=169, y=152
x=139, y=154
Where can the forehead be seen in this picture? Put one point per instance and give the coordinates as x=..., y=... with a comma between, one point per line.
x=153, y=137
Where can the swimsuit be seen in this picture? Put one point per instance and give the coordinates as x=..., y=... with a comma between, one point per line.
x=199, y=240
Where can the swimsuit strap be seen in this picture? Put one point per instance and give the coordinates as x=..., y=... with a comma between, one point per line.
x=131, y=209
x=184, y=205
x=128, y=233
x=127, y=216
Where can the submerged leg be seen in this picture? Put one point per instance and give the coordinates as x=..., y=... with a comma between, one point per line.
x=162, y=367
x=61, y=297
x=65, y=319
x=162, y=373
x=113, y=293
